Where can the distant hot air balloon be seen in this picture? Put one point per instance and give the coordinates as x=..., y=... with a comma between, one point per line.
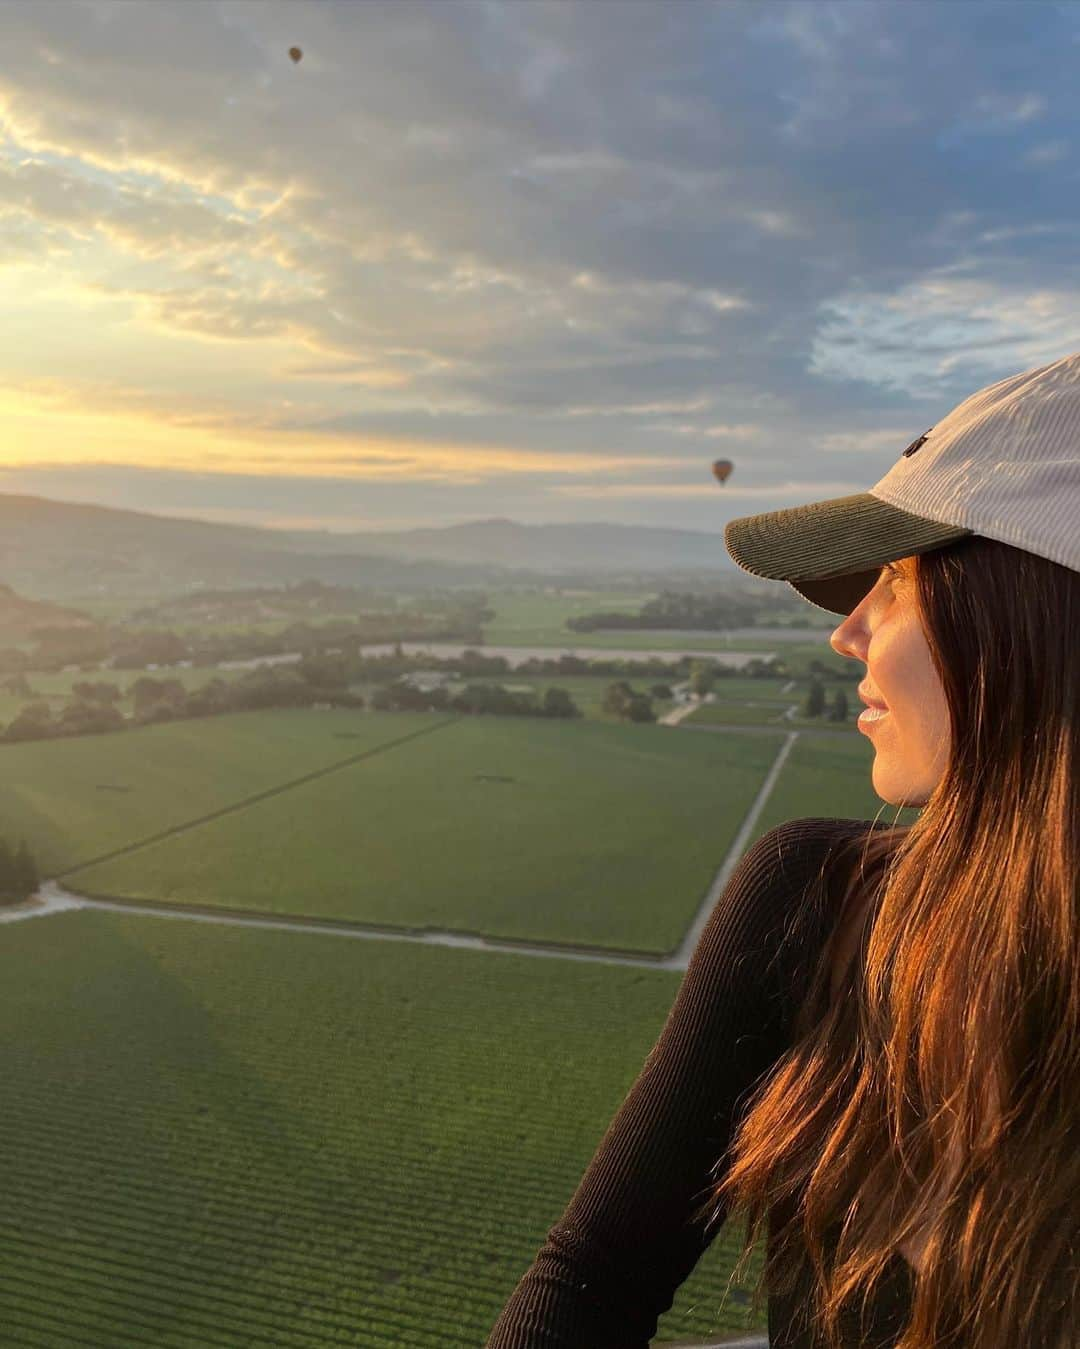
x=722, y=469
x=295, y=53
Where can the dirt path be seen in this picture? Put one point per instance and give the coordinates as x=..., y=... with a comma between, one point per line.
x=738, y=846
x=677, y=714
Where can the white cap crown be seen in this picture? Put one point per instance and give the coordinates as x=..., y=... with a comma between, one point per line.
x=1005, y=463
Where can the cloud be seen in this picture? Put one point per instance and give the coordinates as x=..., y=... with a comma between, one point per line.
x=489, y=231
x=287, y=440
x=931, y=333
x=861, y=442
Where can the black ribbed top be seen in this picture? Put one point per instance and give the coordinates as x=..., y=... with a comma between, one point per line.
x=611, y=1265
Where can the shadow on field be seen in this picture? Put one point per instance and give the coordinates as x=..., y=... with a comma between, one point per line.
x=154, y=1179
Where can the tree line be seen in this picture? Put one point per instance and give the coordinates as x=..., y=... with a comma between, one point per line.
x=676, y=610
x=814, y=703
x=476, y=699
x=138, y=648
x=322, y=682
x=18, y=872
x=93, y=711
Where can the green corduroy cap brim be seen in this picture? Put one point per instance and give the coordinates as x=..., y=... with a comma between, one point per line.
x=832, y=552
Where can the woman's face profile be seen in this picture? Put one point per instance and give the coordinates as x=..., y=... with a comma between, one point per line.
x=912, y=740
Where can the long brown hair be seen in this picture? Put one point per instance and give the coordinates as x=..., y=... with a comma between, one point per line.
x=939, y=1091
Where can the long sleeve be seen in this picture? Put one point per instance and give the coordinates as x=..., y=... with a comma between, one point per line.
x=612, y=1263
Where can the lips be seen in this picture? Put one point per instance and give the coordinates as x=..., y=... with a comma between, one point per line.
x=873, y=702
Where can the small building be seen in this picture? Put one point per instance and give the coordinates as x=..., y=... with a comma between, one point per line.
x=426, y=681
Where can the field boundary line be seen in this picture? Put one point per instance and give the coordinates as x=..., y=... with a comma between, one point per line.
x=247, y=801
x=680, y=958
x=57, y=900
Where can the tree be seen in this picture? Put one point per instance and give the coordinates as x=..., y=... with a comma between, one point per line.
x=34, y=722
x=616, y=698
x=558, y=703
x=760, y=669
x=839, y=709
x=88, y=718
x=382, y=698
x=8, y=877
x=702, y=677
x=814, y=705
x=98, y=692
x=622, y=701
x=25, y=870
x=325, y=671
x=640, y=708
x=662, y=692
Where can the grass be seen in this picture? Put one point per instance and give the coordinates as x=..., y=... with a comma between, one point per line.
x=738, y=714
x=218, y=1137
x=527, y=618
x=515, y=827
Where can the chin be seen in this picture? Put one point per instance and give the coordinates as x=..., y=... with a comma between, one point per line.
x=899, y=797
x=896, y=792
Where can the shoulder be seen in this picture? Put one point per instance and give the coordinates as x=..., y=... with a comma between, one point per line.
x=772, y=917
x=783, y=861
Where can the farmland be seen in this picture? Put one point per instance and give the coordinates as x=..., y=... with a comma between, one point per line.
x=539, y=619
x=223, y=1137
x=568, y=832
x=80, y=797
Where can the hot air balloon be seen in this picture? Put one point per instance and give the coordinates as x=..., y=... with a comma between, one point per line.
x=722, y=469
x=295, y=53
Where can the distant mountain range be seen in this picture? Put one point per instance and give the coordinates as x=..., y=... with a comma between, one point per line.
x=543, y=548
x=57, y=549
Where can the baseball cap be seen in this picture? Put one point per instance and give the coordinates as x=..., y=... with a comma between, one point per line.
x=1004, y=464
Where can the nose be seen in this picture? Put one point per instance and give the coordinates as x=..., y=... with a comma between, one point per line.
x=851, y=638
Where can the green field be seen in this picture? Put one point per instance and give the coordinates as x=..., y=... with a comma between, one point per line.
x=80, y=797
x=224, y=1137
x=539, y=619
x=828, y=775
x=524, y=618
x=742, y=688
x=530, y=829
x=760, y=712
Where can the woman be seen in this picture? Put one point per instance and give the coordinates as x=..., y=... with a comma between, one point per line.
x=875, y=1052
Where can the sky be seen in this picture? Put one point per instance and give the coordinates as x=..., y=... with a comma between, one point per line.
x=543, y=261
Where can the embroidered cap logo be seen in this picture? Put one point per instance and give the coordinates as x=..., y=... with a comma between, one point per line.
x=915, y=444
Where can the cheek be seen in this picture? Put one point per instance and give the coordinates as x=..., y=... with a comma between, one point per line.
x=922, y=710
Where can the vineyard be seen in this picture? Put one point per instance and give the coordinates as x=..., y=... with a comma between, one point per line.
x=76, y=799
x=217, y=1136
x=570, y=832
